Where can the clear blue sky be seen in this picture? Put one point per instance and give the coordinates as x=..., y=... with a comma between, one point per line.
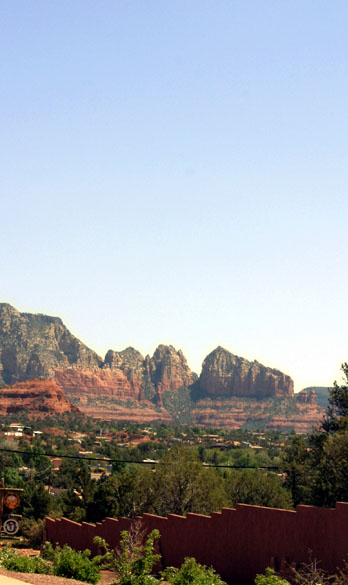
x=176, y=172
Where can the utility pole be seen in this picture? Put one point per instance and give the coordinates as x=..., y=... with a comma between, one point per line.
x=2, y=494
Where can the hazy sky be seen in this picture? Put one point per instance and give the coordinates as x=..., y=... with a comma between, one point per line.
x=176, y=172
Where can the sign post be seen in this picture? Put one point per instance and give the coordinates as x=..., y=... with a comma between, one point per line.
x=9, y=499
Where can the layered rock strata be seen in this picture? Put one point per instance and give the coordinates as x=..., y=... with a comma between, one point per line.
x=234, y=413
x=36, y=398
x=225, y=374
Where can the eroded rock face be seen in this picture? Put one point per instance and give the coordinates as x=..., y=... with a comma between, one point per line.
x=108, y=394
x=312, y=397
x=33, y=346
x=83, y=385
x=150, y=377
x=131, y=363
x=35, y=397
x=302, y=397
x=169, y=370
x=307, y=396
x=225, y=374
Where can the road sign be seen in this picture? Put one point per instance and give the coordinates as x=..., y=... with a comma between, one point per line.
x=11, y=501
x=10, y=526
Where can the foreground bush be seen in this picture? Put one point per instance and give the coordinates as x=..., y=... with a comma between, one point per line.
x=72, y=564
x=270, y=578
x=192, y=573
x=308, y=574
x=11, y=560
x=133, y=562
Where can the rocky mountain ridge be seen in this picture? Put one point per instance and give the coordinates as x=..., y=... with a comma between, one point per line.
x=128, y=386
x=40, y=346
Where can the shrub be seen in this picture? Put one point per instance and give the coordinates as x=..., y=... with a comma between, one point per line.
x=311, y=574
x=72, y=564
x=192, y=573
x=11, y=560
x=270, y=578
x=133, y=562
x=32, y=531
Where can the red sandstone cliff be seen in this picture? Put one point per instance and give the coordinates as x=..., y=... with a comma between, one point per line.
x=225, y=374
x=233, y=413
x=131, y=363
x=108, y=394
x=83, y=385
x=36, y=398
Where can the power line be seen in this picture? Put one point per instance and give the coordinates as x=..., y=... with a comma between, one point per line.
x=109, y=460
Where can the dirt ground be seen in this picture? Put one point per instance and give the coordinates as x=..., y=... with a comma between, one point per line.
x=107, y=578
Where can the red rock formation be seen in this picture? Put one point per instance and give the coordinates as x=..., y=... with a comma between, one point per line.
x=233, y=413
x=169, y=370
x=307, y=397
x=302, y=397
x=150, y=377
x=225, y=374
x=312, y=398
x=136, y=412
x=83, y=385
x=125, y=386
x=108, y=394
x=36, y=398
x=131, y=363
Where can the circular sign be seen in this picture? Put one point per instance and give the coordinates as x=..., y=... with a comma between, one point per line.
x=10, y=526
x=11, y=501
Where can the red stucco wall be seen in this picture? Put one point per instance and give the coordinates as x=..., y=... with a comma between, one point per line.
x=238, y=543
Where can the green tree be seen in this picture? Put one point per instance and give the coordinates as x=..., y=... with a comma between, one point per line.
x=316, y=468
x=336, y=417
x=183, y=485
x=72, y=506
x=36, y=501
x=84, y=484
x=296, y=463
x=129, y=493
x=329, y=473
x=257, y=488
x=67, y=474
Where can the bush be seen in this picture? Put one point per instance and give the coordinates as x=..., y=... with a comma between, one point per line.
x=270, y=578
x=192, y=573
x=11, y=560
x=133, y=562
x=32, y=531
x=72, y=564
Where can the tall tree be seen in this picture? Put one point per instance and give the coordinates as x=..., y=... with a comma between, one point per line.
x=183, y=485
x=336, y=416
x=258, y=488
